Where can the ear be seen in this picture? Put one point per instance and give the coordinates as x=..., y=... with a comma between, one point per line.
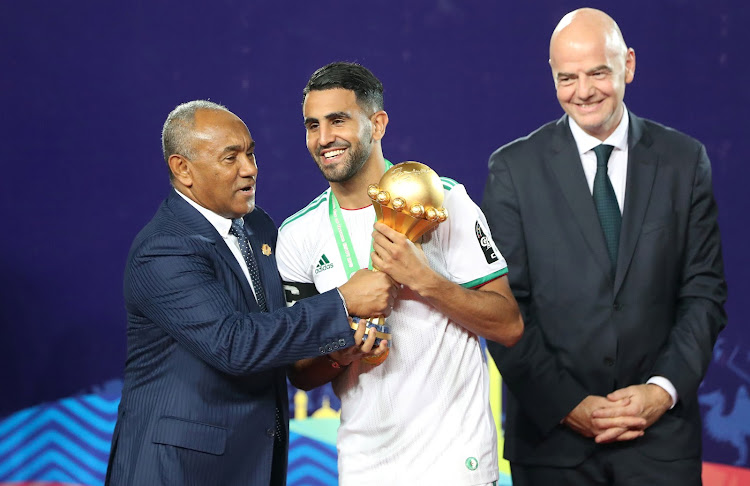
x=180, y=168
x=379, y=121
x=629, y=65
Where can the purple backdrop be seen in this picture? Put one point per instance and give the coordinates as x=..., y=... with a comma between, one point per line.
x=85, y=89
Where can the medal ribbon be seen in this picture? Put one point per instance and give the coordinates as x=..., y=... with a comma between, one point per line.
x=343, y=240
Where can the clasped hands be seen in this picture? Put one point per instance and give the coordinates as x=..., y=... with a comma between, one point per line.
x=623, y=415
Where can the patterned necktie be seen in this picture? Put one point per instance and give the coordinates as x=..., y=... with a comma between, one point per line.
x=606, y=203
x=238, y=231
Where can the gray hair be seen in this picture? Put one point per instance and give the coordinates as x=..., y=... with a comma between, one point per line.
x=176, y=135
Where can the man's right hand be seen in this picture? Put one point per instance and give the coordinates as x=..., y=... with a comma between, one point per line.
x=369, y=293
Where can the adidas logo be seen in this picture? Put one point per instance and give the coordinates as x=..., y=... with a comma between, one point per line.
x=323, y=264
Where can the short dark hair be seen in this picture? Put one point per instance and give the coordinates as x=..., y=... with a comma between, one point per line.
x=351, y=76
x=176, y=134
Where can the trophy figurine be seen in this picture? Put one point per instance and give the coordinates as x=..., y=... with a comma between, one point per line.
x=409, y=199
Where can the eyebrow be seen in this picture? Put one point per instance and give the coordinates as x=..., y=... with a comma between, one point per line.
x=330, y=116
x=602, y=67
x=238, y=148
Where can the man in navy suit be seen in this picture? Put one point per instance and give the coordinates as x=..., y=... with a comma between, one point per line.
x=209, y=335
x=609, y=226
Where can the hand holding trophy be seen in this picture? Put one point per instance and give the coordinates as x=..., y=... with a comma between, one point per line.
x=408, y=198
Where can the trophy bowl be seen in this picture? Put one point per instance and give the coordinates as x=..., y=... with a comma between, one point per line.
x=409, y=199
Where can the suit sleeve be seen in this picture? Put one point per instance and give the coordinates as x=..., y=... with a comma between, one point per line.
x=530, y=369
x=700, y=312
x=172, y=282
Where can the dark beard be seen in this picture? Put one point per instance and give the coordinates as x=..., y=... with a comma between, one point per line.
x=358, y=155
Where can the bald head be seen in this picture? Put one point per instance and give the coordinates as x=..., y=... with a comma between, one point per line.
x=591, y=66
x=588, y=25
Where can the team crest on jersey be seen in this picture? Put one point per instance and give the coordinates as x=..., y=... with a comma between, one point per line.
x=471, y=463
x=489, y=251
x=323, y=264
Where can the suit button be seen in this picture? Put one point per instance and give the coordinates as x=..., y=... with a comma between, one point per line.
x=269, y=432
x=322, y=350
x=342, y=342
x=617, y=306
x=609, y=361
x=329, y=348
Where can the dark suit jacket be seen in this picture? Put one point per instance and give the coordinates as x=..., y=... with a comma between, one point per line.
x=205, y=368
x=585, y=333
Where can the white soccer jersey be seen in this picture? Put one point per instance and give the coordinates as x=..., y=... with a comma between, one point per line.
x=423, y=416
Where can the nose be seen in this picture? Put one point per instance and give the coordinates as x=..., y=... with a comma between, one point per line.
x=248, y=166
x=325, y=135
x=584, y=87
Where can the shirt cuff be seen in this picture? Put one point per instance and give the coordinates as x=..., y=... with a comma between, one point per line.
x=666, y=385
x=343, y=301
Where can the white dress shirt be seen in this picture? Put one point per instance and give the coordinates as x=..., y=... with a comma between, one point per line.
x=617, y=168
x=223, y=225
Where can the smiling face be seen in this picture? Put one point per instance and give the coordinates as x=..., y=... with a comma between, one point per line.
x=221, y=174
x=591, y=66
x=339, y=133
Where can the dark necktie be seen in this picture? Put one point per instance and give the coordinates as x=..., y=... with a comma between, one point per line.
x=279, y=454
x=238, y=231
x=606, y=203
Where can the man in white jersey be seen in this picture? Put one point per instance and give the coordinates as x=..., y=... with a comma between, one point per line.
x=423, y=415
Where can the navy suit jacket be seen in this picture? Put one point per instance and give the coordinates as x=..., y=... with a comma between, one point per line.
x=205, y=369
x=587, y=333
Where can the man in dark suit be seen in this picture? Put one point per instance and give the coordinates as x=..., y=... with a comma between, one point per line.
x=616, y=264
x=209, y=335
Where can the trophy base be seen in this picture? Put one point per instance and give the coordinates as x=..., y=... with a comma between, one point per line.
x=376, y=325
x=376, y=360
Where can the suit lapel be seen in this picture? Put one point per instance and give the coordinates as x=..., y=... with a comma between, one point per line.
x=200, y=225
x=565, y=162
x=642, y=165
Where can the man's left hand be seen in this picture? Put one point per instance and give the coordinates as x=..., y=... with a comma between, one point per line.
x=397, y=256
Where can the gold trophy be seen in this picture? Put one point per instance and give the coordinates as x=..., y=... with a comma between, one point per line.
x=409, y=199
